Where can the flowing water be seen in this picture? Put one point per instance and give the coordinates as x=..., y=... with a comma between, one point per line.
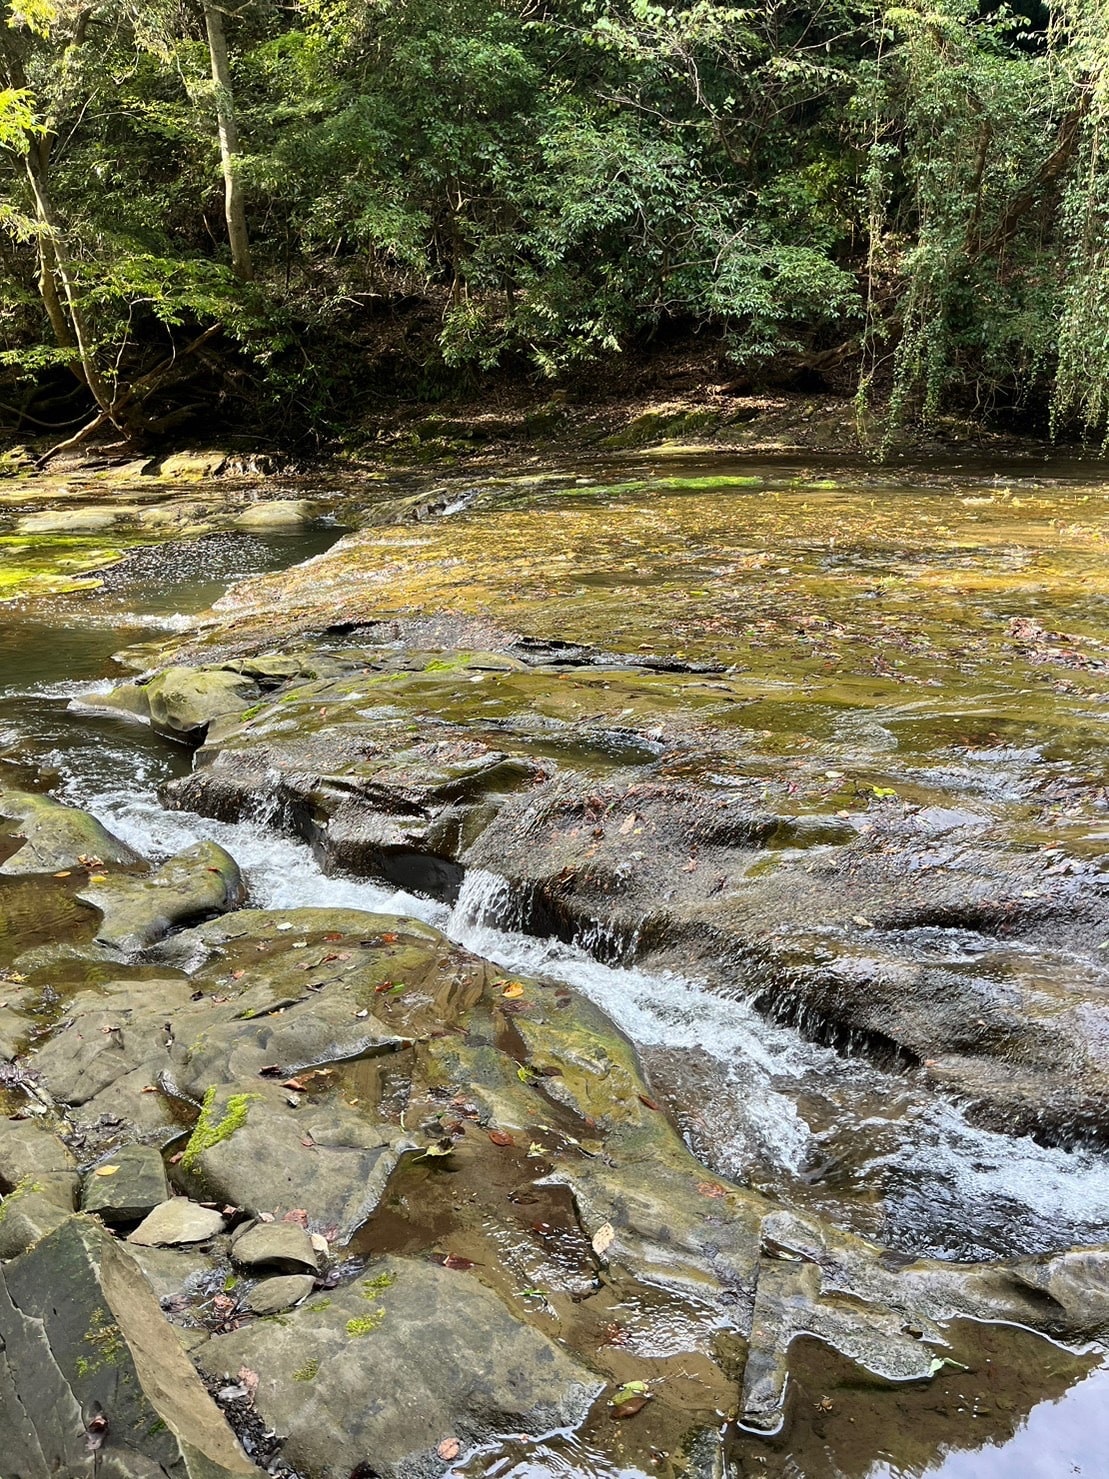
x=838, y=1134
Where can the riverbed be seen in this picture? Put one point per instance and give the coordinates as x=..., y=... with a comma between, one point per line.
x=925, y=642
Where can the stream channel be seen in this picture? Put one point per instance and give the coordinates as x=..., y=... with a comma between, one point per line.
x=844, y=1134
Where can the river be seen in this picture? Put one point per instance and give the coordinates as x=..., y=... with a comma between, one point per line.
x=844, y=1134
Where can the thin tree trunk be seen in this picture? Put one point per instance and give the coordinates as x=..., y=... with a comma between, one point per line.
x=234, y=209
x=55, y=270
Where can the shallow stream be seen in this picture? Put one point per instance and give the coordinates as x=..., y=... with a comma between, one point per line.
x=923, y=581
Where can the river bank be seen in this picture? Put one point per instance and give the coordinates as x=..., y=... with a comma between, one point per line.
x=747, y=821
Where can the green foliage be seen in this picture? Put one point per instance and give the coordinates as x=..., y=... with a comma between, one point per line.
x=920, y=187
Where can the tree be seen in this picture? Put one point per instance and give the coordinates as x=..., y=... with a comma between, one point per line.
x=234, y=208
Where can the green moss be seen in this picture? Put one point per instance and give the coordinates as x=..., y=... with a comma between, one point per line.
x=308, y=1372
x=371, y=1288
x=365, y=1324
x=208, y=1132
x=106, y=1340
x=20, y=1189
x=319, y=1306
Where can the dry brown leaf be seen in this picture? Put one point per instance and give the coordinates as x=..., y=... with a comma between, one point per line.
x=449, y=1449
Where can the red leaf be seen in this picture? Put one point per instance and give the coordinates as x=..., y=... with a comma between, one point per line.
x=333, y=936
x=294, y=1083
x=501, y=1137
x=449, y=1449
x=650, y=1103
x=297, y=1215
x=452, y=1260
x=629, y=1408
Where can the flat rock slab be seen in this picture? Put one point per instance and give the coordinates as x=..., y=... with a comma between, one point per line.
x=127, y=1185
x=376, y=1376
x=177, y=1221
x=81, y=1333
x=281, y=1245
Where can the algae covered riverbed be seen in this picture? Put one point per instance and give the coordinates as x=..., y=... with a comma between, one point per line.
x=761, y=809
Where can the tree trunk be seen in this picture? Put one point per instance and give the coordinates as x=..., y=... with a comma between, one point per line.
x=228, y=143
x=54, y=270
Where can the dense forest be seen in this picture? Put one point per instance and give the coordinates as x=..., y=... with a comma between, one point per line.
x=256, y=213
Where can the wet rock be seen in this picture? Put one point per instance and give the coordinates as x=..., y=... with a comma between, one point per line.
x=126, y=1185
x=34, y=1208
x=280, y=1245
x=201, y=881
x=29, y=1149
x=184, y=701
x=267, y=1156
x=275, y=513
x=110, y=1034
x=69, y=521
x=56, y=836
x=374, y=1375
x=272, y=1296
x=104, y=1350
x=177, y=1221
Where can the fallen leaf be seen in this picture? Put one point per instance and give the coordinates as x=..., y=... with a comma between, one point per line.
x=710, y=1189
x=650, y=1103
x=627, y=825
x=628, y=1408
x=249, y=1379
x=449, y=1449
x=64, y=874
x=105, y=1170
x=294, y=1083
x=603, y=1239
x=452, y=1260
x=513, y=989
x=297, y=1215
x=332, y=937
x=627, y=1391
x=389, y=939
x=501, y=1137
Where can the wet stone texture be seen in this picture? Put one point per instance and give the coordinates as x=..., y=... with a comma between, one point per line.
x=808, y=746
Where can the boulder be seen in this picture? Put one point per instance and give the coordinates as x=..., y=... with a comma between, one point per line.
x=193, y=465
x=272, y=1296
x=373, y=1377
x=275, y=513
x=127, y=1184
x=96, y=1381
x=28, y=1150
x=279, y=1245
x=184, y=701
x=197, y=883
x=56, y=836
x=33, y=1209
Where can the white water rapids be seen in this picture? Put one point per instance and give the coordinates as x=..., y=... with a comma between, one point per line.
x=760, y=1103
